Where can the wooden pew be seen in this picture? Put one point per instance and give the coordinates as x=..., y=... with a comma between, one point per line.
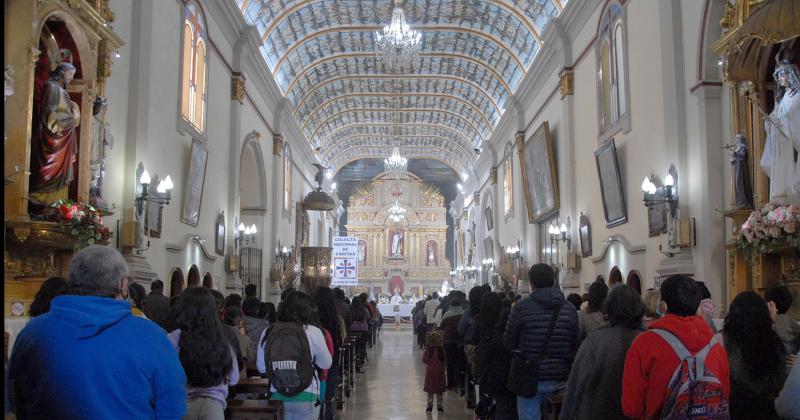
x=254, y=409
x=252, y=386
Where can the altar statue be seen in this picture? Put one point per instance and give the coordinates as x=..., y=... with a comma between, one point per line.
x=102, y=141
x=57, y=147
x=397, y=246
x=741, y=173
x=431, y=254
x=783, y=138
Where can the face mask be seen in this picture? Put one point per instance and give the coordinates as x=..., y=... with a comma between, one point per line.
x=659, y=309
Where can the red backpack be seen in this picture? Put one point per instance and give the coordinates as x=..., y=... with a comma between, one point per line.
x=694, y=392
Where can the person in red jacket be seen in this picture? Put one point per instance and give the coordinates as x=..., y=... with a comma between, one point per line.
x=650, y=361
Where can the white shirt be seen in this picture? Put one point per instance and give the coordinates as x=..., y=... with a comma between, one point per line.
x=320, y=355
x=430, y=310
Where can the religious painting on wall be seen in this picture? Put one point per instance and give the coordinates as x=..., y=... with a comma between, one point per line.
x=487, y=214
x=508, y=181
x=488, y=247
x=396, y=241
x=585, y=232
x=193, y=194
x=538, y=166
x=219, y=235
x=610, y=184
x=431, y=253
x=362, y=252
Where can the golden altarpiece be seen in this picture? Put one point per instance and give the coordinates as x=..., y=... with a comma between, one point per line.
x=757, y=36
x=40, y=35
x=406, y=256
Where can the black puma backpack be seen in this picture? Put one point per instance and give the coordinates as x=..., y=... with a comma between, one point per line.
x=288, y=358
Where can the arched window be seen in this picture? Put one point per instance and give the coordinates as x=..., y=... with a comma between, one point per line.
x=194, y=64
x=508, y=180
x=611, y=76
x=287, y=178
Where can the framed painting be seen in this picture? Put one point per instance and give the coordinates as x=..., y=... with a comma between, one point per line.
x=657, y=218
x=610, y=184
x=540, y=182
x=193, y=193
x=585, y=232
x=219, y=235
x=487, y=214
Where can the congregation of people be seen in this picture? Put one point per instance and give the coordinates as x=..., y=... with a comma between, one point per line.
x=99, y=347
x=612, y=353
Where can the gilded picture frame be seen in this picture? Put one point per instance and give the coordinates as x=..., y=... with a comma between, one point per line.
x=195, y=180
x=610, y=184
x=539, y=177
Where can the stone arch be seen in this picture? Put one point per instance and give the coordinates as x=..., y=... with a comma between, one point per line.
x=193, y=278
x=710, y=32
x=252, y=174
x=634, y=281
x=614, y=277
x=176, y=283
x=208, y=281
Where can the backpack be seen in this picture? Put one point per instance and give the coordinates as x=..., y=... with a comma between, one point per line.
x=693, y=391
x=287, y=357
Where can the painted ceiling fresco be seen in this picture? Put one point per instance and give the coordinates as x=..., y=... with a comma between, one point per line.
x=472, y=57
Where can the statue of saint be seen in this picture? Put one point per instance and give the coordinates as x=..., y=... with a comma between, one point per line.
x=783, y=138
x=397, y=243
x=102, y=141
x=431, y=253
x=57, y=147
x=741, y=173
x=362, y=251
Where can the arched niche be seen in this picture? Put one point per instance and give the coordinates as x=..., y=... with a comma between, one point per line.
x=208, y=281
x=252, y=176
x=614, y=277
x=618, y=253
x=634, y=281
x=193, y=279
x=176, y=283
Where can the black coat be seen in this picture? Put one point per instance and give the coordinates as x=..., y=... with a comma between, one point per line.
x=493, y=363
x=527, y=327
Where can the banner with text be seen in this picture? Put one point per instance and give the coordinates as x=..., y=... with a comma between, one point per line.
x=345, y=261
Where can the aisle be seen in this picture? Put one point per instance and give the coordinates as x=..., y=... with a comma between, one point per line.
x=391, y=387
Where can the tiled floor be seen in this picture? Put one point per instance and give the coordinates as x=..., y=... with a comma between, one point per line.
x=391, y=387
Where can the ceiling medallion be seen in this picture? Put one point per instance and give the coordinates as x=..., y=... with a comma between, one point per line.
x=396, y=165
x=397, y=213
x=397, y=42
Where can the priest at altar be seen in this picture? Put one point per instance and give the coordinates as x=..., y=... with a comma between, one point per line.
x=396, y=298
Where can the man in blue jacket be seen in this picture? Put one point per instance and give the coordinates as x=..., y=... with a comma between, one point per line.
x=527, y=328
x=90, y=358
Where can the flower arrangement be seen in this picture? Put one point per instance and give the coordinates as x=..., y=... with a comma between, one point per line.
x=82, y=220
x=770, y=227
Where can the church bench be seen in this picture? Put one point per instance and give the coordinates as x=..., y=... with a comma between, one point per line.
x=254, y=409
x=252, y=386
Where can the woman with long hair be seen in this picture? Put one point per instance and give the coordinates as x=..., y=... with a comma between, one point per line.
x=205, y=353
x=594, y=388
x=297, y=308
x=756, y=355
x=331, y=322
x=593, y=318
x=52, y=287
x=653, y=306
x=493, y=360
x=136, y=295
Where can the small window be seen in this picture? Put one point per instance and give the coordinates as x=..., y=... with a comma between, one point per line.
x=508, y=180
x=611, y=75
x=193, y=68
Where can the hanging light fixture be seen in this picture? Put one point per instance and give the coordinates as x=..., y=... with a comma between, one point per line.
x=397, y=213
x=396, y=165
x=397, y=42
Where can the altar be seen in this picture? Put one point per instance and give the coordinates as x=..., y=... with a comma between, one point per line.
x=389, y=310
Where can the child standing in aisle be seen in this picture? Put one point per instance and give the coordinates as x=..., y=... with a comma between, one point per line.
x=434, y=369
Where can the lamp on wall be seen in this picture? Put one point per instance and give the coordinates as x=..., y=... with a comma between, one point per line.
x=164, y=190
x=282, y=254
x=655, y=195
x=514, y=255
x=245, y=234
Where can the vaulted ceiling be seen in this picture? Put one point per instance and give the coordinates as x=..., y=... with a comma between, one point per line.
x=472, y=57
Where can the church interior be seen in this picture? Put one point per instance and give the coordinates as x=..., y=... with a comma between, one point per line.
x=223, y=144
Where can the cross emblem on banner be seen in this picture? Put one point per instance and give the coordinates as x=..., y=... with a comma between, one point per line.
x=345, y=268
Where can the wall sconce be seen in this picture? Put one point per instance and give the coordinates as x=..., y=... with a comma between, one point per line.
x=488, y=264
x=245, y=234
x=164, y=190
x=282, y=255
x=514, y=254
x=560, y=233
x=655, y=195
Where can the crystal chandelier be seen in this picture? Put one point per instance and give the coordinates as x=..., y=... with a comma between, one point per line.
x=395, y=165
x=397, y=42
x=397, y=213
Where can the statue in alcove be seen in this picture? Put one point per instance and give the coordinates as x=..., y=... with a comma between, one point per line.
x=55, y=148
x=779, y=160
x=102, y=142
x=741, y=173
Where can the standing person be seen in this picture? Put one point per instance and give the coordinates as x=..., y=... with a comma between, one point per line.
x=651, y=361
x=573, y=298
x=253, y=325
x=594, y=388
x=234, y=332
x=343, y=307
x=430, y=309
x=418, y=319
x=52, y=287
x=466, y=325
x=453, y=347
x=707, y=308
x=493, y=360
x=593, y=317
x=206, y=354
x=757, y=358
x=136, y=296
x=788, y=330
x=90, y=340
x=156, y=304
x=433, y=357
x=331, y=322
x=296, y=314
x=250, y=291
x=527, y=330
x=653, y=307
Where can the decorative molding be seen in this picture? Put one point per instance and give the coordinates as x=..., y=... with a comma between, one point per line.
x=476, y=198
x=177, y=249
x=493, y=175
x=277, y=144
x=631, y=249
x=566, y=83
x=237, y=86
x=519, y=139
